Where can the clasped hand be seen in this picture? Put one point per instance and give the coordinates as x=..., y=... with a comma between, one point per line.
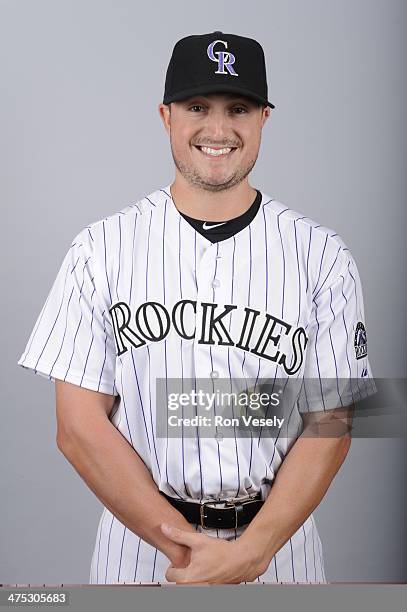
x=213, y=560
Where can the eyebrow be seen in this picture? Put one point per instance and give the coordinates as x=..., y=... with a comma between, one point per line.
x=229, y=100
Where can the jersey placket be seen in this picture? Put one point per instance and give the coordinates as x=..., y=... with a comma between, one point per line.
x=218, y=451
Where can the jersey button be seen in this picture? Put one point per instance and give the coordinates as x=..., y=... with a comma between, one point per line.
x=215, y=283
x=218, y=437
x=214, y=374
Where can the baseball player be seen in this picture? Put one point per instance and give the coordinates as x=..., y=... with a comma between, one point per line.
x=204, y=279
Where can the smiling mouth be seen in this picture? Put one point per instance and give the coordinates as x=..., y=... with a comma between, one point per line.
x=215, y=153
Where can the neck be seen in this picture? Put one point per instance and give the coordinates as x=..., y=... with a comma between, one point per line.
x=212, y=206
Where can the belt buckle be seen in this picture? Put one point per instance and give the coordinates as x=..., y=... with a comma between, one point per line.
x=201, y=514
x=228, y=503
x=202, y=510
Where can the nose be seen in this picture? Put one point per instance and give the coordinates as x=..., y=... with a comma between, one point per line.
x=218, y=129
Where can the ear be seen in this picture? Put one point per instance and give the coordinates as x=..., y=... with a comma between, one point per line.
x=265, y=115
x=165, y=114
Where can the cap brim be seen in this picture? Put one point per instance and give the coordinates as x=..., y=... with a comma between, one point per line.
x=214, y=88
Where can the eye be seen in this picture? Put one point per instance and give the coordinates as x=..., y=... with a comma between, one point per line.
x=242, y=108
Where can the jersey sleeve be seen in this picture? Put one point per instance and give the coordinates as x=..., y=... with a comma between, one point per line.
x=72, y=338
x=337, y=371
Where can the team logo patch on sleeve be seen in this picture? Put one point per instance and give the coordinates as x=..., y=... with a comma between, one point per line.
x=360, y=341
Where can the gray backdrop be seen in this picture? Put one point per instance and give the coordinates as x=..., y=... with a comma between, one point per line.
x=81, y=138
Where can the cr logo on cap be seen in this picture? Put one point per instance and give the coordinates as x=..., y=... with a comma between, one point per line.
x=224, y=59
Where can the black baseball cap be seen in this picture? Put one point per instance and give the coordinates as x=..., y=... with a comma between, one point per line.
x=216, y=63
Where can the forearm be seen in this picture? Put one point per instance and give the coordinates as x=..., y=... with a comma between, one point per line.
x=301, y=483
x=119, y=478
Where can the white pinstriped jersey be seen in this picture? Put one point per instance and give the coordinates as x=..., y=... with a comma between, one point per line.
x=141, y=295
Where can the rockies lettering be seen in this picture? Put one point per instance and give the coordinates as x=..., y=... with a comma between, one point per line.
x=260, y=332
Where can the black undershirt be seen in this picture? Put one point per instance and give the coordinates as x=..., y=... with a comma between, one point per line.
x=228, y=228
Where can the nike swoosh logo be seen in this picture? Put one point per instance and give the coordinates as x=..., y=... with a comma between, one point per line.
x=211, y=226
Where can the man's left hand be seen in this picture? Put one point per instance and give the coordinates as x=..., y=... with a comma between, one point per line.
x=213, y=560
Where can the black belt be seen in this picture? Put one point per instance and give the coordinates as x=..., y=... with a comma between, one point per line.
x=233, y=514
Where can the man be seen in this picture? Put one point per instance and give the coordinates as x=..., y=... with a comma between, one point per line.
x=208, y=279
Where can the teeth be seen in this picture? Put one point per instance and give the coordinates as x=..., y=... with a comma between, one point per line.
x=216, y=152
